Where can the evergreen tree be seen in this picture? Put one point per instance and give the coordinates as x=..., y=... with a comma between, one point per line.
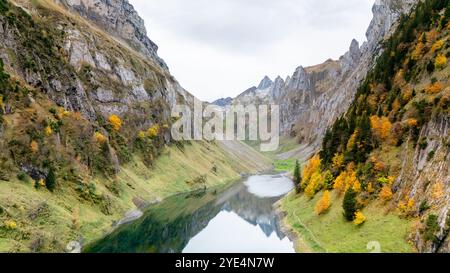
x=50, y=180
x=350, y=205
x=297, y=177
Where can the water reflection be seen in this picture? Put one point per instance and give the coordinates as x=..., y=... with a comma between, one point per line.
x=238, y=219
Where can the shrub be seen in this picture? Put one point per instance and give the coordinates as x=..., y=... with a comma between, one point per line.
x=153, y=131
x=434, y=88
x=48, y=131
x=386, y=193
x=99, y=138
x=34, y=147
x=324, y=203
x=437, y=45
x=22, y=176
x=359, y=219
x=441, y=61
x=115, y=122
x=10, y=224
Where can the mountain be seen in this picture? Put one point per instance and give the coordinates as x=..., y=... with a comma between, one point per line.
x=314, y=97
x=223, y=102
x=387, y=155
x=85, y=117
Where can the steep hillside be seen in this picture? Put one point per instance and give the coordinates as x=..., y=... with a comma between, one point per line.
x=391, y=148
x=85, y=116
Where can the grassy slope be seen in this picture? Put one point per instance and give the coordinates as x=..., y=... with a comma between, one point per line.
x=331, y=233
x=67, y=218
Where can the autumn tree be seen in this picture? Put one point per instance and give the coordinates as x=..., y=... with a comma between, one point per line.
x=434, y=88
x=324, y=203
x=99, y=137
x=312, y=167
x=34, y=147
x=386, y=193
x=441, y=61
x=153, y=131
x=359, y=219
x=338, y=161
x=350, y=205
x=115, y=122
x=381, y=127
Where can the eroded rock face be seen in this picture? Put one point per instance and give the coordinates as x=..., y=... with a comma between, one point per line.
x=426, y=179
x=118, y=18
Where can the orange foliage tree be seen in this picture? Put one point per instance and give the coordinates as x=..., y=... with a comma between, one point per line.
x=434, y=88
x=441, y=61
x=310, y=168
x=115, y=122
x=324, y=203
x=386, y=193
x=34, y=147
x=381, y=127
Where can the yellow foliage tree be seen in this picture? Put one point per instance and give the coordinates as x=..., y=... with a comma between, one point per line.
x=359, y=218
x=418, y=51
x=338, y=161
x=386, y=193
x=141, y=135
x=324, y=203
x=310, y=168
x=434, y=88
x=407, y=93
x=412, y=122
x=437, y=45
x=441, y=61
x=381, y=127
x=34, y=147
x=339, y=183
x=10, y=224
x=437, y=190
x=99, y=137
x=352, y=140
x=370, y=188
x=346, y=180
x=153, y=131
x=314, y=185
x=48, y=131
x=115, y=122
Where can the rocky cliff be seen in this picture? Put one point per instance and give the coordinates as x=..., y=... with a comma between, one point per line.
x=313, y=97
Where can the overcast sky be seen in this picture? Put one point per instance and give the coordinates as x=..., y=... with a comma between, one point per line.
x=219, y=48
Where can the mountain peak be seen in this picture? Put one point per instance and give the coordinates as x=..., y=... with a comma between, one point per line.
x=265, y=83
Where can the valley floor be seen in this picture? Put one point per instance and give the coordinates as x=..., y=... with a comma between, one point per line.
x=330, y=233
